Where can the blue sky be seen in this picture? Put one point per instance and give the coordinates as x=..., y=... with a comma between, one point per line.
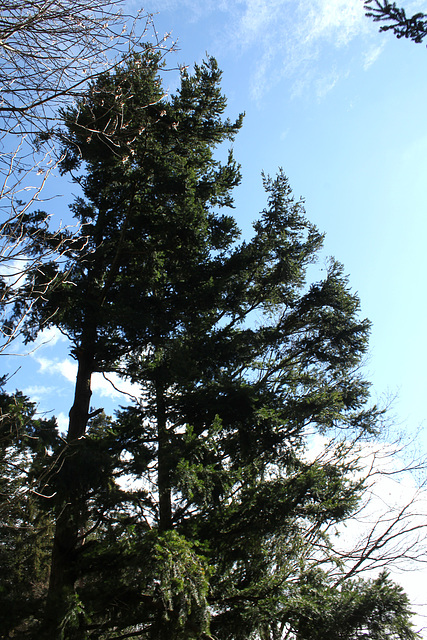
x=342, y=108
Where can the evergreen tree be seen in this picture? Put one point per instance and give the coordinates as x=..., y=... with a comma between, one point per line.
x=150, y=183
x=25, y=522
x=375, y=609
x=224, y=518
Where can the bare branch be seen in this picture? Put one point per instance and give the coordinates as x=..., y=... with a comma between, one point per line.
x=51, y=50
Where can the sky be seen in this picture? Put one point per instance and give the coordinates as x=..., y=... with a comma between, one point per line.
x=342, y=108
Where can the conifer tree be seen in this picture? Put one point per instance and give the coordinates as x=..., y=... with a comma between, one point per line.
x=25, y=521
x=150, y=181
x=225, y=517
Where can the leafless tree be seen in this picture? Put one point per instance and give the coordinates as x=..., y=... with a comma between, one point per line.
x=389, y=527
x=391, y=519
x=52, y=48
x=388, y=530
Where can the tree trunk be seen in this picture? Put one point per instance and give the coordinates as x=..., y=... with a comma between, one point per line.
x=70, y=515
x=163, y=473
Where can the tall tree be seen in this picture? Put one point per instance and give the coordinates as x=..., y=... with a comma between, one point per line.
x=150, y=182
x=237, y=357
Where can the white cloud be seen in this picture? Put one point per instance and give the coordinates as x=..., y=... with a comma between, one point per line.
x=112, y=386
x=372, y=55
x=49, y=338
x=62, y=420
x=109, y=386
x=66, y=368
x=13, y=271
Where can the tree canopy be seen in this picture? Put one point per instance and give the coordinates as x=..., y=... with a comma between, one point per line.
x=196, y=512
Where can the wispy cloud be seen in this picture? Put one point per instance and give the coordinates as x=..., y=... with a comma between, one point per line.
x=337, y=21
x=372, y=54
x=285, y=38
x=299, y=22
x=295, y=38
x=256, y=19
x=36, y=392
x=109, y=386
x=325, y=83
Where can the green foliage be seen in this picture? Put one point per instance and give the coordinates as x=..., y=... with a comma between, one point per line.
x=223, y=520
x=183, y=587
x=376, y=609
x=414, y=28
x=25, y=522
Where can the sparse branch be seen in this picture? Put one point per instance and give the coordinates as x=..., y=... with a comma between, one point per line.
x=388, y=530
x=51, y=50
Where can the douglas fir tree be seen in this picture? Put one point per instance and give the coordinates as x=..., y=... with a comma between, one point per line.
x=220, y=529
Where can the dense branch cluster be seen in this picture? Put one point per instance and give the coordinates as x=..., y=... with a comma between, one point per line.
x=395, y=19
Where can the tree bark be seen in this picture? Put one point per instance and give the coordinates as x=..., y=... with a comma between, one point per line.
x=163, y=478
x=70, y=513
